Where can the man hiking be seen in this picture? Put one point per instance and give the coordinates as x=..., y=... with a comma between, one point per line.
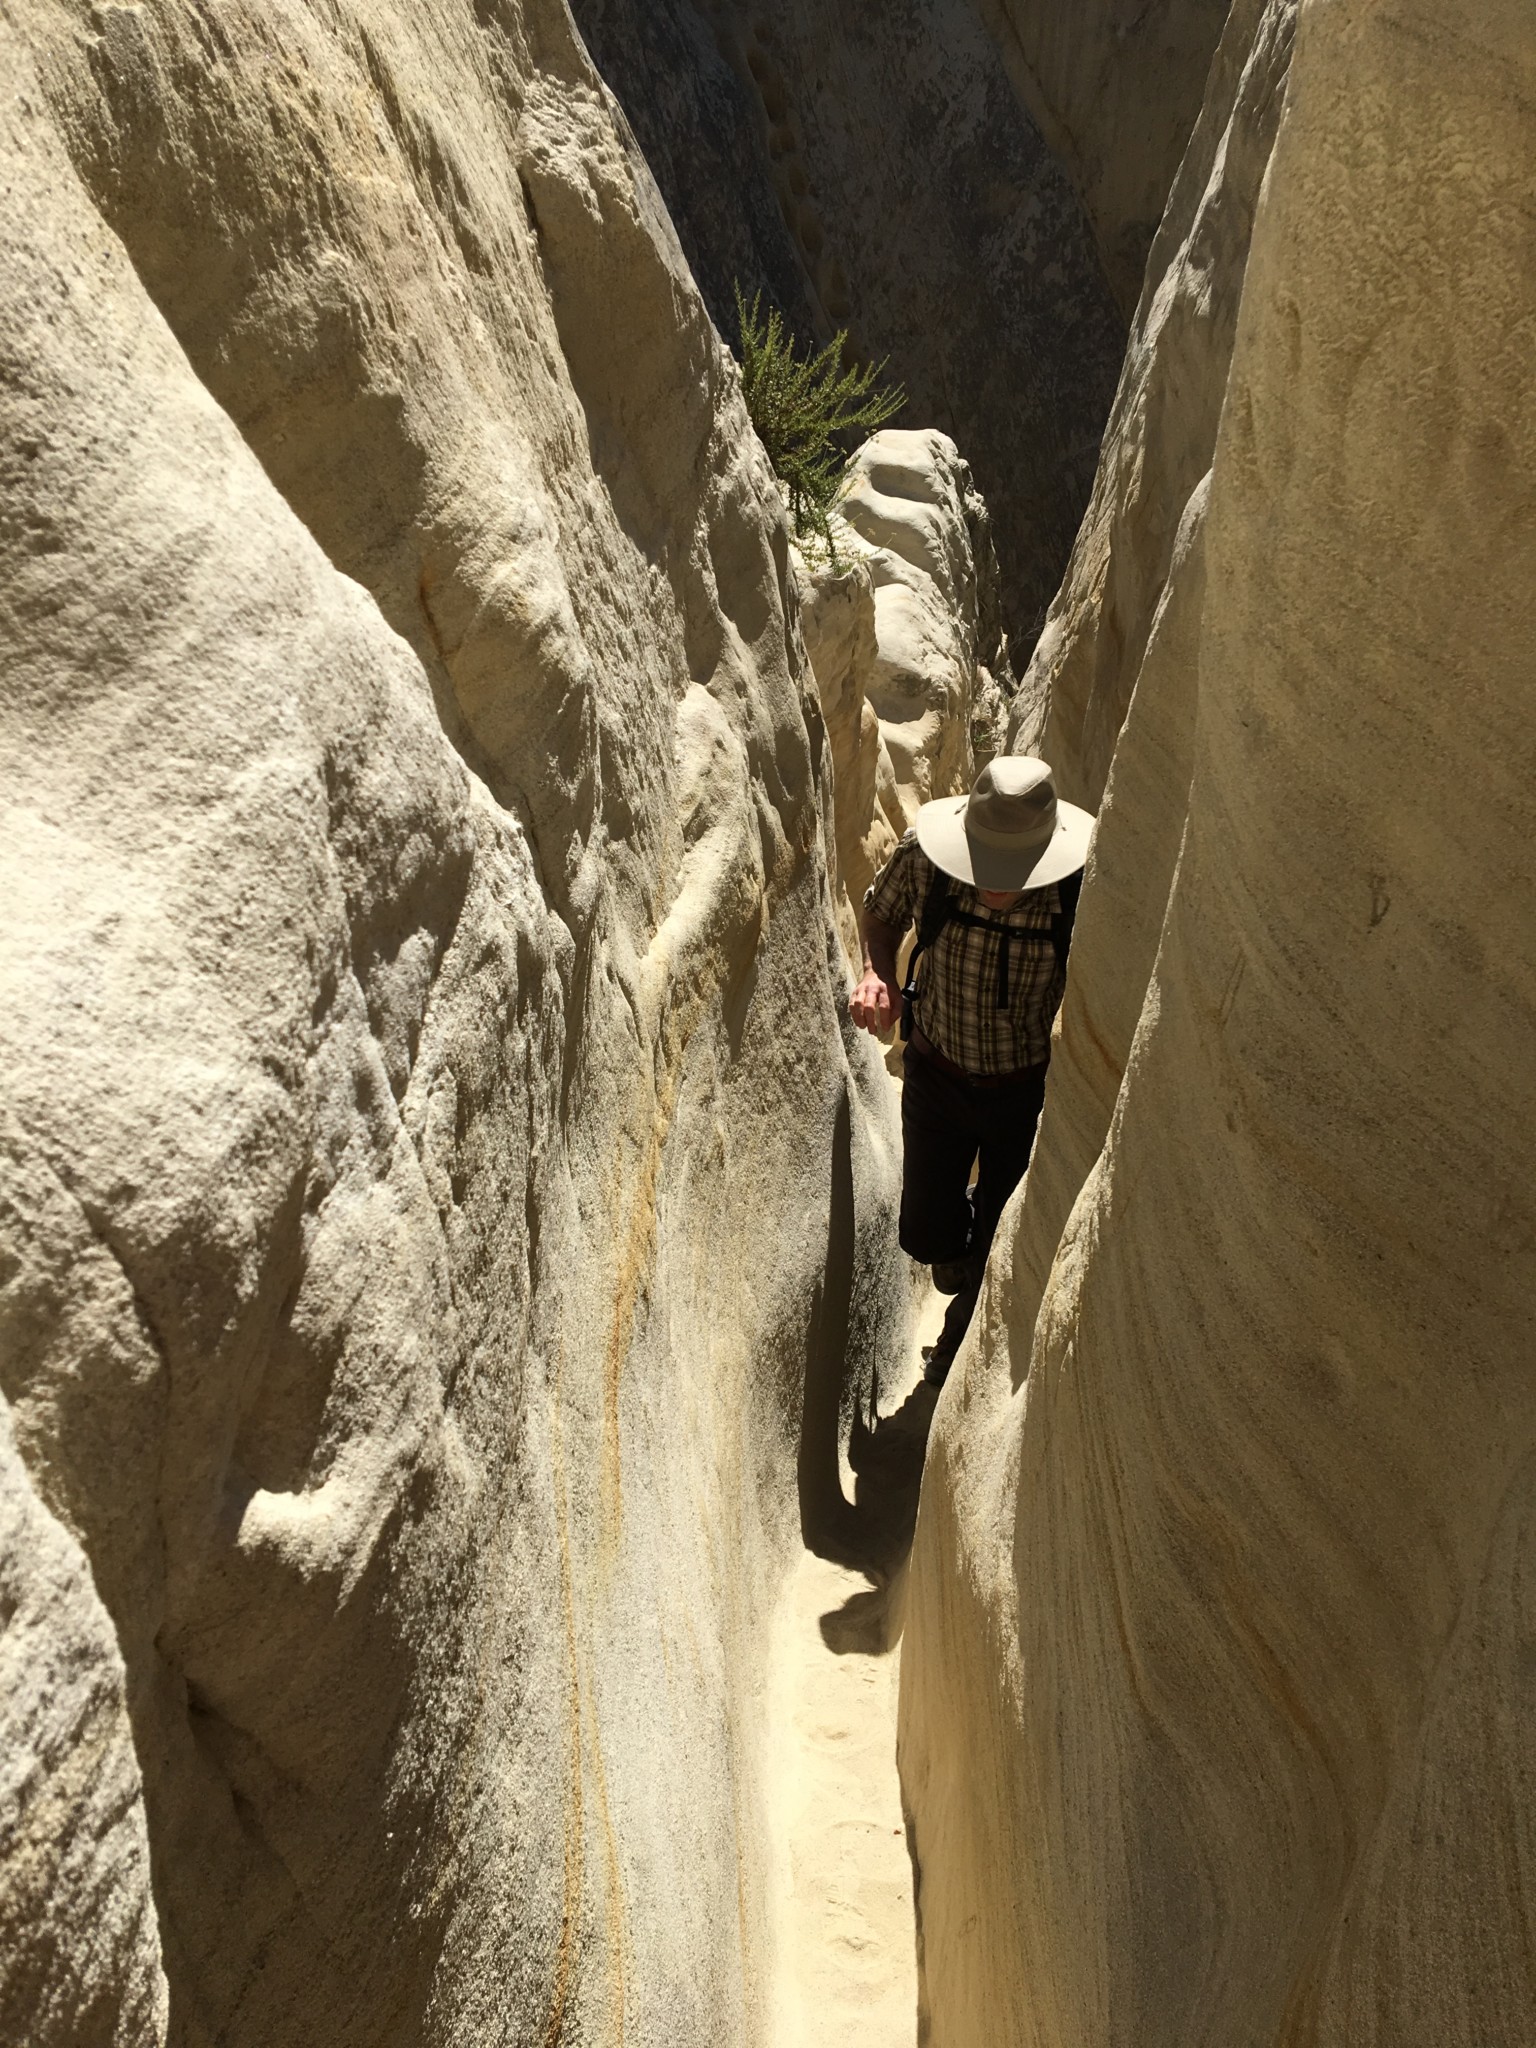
x=991, y=882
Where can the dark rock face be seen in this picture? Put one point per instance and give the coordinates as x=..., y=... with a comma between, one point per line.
x=1114, y=86
x=874, y=168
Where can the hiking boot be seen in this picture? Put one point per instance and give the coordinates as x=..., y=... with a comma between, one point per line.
x=952, y=1276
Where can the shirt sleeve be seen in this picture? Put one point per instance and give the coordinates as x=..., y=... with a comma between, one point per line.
x=892, y=896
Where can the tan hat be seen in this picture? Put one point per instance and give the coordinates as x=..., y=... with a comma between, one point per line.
x=1011, y=832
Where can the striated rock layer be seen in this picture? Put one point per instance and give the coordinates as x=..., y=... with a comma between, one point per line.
x=438, y=1189
x=1162, y=427
x=1218, y=1718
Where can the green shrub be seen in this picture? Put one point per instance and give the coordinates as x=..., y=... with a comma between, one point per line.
x=810, y=413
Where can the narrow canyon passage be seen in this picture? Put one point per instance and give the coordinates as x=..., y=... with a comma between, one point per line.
x=845, y=1971
x=461, y=1416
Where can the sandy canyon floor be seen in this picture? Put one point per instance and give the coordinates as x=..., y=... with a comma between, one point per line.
x=845, y=1950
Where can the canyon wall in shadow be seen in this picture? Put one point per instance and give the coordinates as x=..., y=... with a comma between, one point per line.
x=885, y=169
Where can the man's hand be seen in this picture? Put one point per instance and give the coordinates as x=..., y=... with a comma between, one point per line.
x=874, y=1003
x=877, y=998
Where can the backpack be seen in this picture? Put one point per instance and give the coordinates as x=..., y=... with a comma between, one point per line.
x=939, y=909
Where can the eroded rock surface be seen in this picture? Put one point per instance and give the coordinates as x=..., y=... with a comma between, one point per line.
x=905, y=639
x=1217, y=1722
x=440, y=1192
x=79, y=1945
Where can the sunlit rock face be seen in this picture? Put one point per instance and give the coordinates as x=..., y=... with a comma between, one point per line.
x=875, y=168
x=1119, y=657
x=1162, y=429
x=1218, y=1716
x=440, y=1188
x=903, y=628
x=77, y=1922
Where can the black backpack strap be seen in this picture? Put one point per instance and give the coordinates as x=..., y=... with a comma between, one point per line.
x=938, y=907
x=1058, y=936
x=1068, y=889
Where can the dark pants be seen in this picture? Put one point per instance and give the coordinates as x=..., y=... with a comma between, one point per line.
x=946, y=1124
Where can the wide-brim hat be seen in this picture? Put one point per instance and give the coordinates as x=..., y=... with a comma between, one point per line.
x=1011, y=832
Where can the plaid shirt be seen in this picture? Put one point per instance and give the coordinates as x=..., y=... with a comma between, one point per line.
x=956, y=1005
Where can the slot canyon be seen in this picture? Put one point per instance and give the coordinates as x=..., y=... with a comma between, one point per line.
x=481, y=1562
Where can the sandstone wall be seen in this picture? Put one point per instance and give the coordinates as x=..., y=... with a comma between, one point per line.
x=1217, y=1714
x=873, y=167
x=440, y=1190
x=1114, y=87
x=1113, y=677
x=904, y=634
x=1162, y=427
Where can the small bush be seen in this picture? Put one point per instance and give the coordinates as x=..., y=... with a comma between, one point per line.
x=809, y=412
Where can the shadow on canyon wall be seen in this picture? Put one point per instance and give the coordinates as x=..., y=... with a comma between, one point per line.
x=875, y=170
